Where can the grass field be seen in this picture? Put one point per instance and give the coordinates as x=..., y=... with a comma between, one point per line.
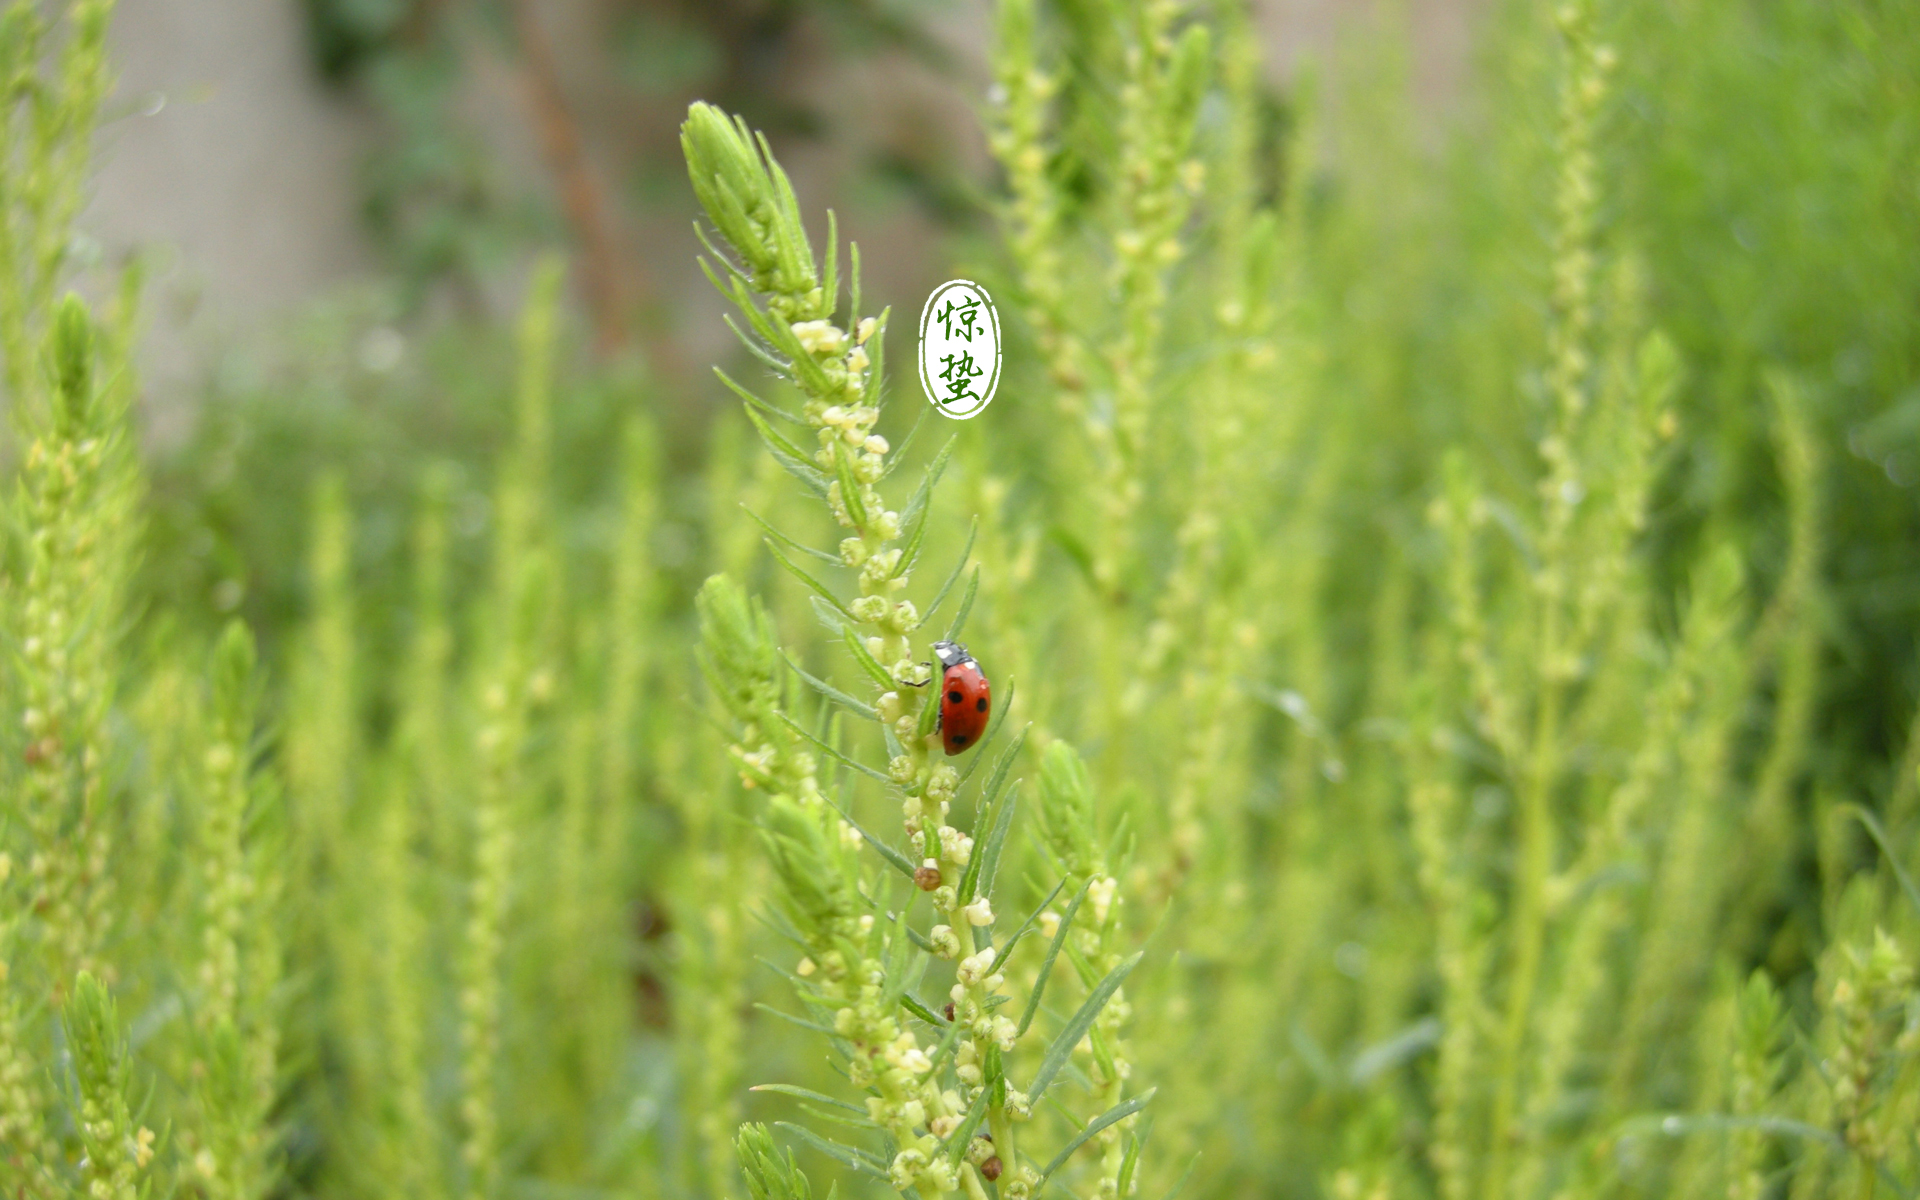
x=1448, y=601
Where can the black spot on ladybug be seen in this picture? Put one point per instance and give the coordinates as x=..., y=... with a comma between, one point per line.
x=981, y=704
x=954, y=697
x=959, y=739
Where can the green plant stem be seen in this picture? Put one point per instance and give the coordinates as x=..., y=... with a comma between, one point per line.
x=1529, y=920
x=1002, y=1129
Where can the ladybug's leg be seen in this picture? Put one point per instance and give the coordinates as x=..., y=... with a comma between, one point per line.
x=923, y=682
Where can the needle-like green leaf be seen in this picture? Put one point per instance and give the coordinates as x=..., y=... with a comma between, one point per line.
x=899, y=453
x=802, y=1022
x=988, y=854
x=787, y=1089
x=1880, y=838
x=830, y=273
x=940, y=597
x=757, y=402
x=849, y=486
x=897, y=859
x=913, y=519
x=853, y=281
x=1062, y=1047
x=1046, y=964
x=867, y=662
x=1118, y=1112
x=996, y=840
x=810, y=476
x=1132, y=1159
x=846, y=1156
x=1027, y=926
x=832, y=693
x=818, y=588
x=783, y=539
x=966, y=606
x=829, y=750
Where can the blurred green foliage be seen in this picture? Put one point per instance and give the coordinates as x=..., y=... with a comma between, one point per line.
x=1474, y=557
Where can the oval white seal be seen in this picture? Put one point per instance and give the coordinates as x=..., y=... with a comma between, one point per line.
x=959, y=348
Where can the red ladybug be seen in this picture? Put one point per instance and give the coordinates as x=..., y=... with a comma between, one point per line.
x=966, y=700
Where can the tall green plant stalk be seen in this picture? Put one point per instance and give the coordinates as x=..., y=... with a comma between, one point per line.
x=498, y=744
x=515, y=681
x=73, y=521
x=77, y=505
x=1193, y=666
x=237, y=1018
x=1757, y=1069
x=613, y=793
x=1150, y=195
x=1586, y=986
x=75, y=518
x=117, y=1149
x=22, y=1098
x=635, y=607
x=53, y=97
x=322, y=748
x=1198, y=613
x=1156, y=184
x=404, y=1156
x=1588, y=64
x=425, y=726
x=717, y=891
x=863, y=955
x=29, y=1151
x=1034, y=220
x=1790, y=633
x=415, y=839
x=1457, y=670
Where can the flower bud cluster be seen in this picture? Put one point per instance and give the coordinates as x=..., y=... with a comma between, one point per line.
x=955, y=847
x=77, y=486
x=227, y=883
x=1873, y=984
x=813, y=852
x=889, y=1060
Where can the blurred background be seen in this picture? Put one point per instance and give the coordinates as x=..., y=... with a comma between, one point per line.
x=336, y=205
x=274, y=157
x=1516, y=549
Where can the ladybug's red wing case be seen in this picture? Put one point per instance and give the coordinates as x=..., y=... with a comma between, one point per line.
x=964, y=707
x=966, y=699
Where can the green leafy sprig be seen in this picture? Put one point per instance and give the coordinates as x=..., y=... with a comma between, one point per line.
x=936, y=1078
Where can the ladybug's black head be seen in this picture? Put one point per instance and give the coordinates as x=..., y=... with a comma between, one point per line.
x=951, y=654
